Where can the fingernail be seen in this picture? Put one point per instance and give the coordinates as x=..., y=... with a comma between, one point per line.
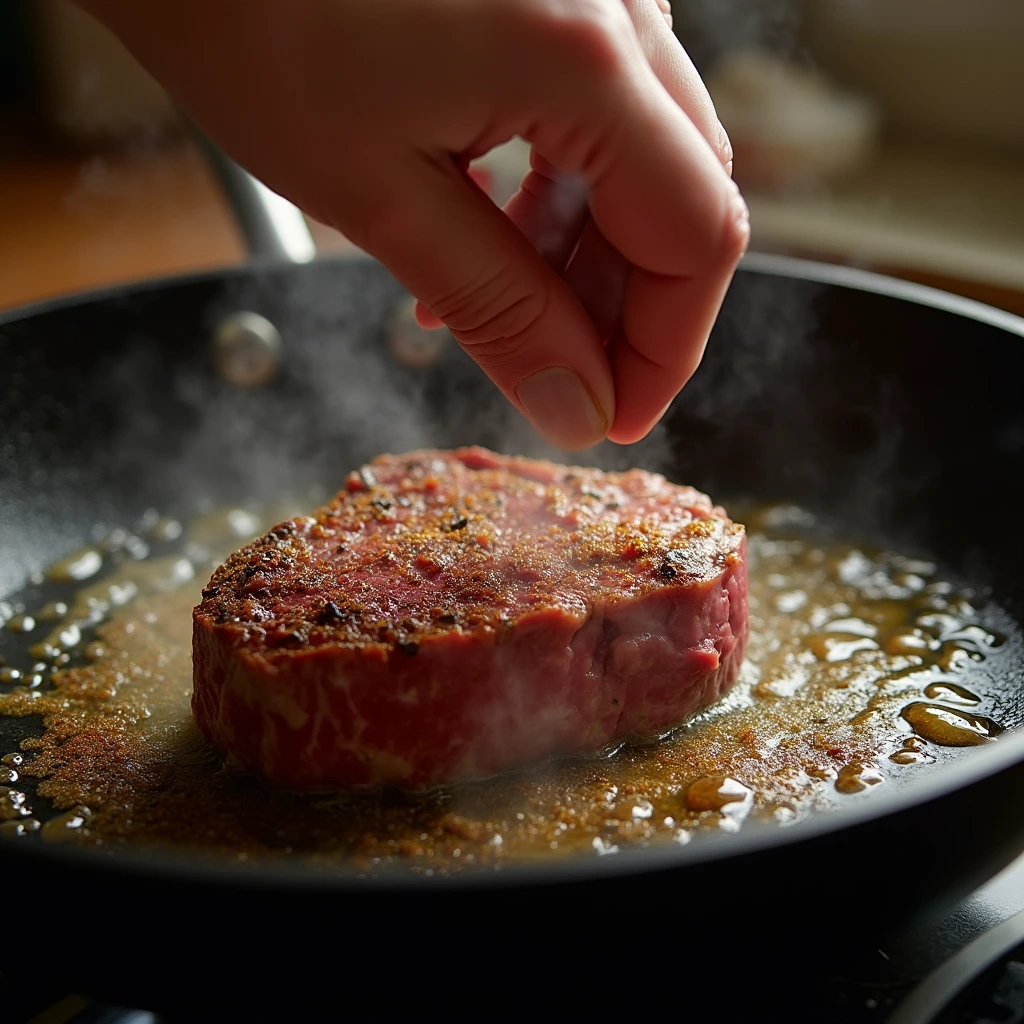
x=728, y=168
x=562, y=408
x=666, y=9
x=740, y=210
x=725, y=148
x=736, y=236
x=426, y=319
x=737, y=204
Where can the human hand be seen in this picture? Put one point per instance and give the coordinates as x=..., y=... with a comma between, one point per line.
x=589, y=300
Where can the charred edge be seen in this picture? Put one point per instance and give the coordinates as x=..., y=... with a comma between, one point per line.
x=292, y=639
x=330, y=614
x=211, y=591
x=408, y=647
x=460, y=523
x=674, y=562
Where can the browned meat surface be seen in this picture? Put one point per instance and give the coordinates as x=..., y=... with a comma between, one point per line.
x=451, y=614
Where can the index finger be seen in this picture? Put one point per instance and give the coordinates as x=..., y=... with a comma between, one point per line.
x=671, y=63
x=661, y=197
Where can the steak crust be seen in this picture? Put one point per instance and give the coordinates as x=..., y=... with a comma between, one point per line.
x=449, y=615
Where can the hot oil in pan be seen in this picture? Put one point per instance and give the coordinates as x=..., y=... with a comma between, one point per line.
x=863, y=666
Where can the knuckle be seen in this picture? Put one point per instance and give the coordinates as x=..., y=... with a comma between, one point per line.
x=493, y=321
x=586, y=36
x=592, y=39
x=736, y=229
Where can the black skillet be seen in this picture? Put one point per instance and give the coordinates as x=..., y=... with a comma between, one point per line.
x=892, y=409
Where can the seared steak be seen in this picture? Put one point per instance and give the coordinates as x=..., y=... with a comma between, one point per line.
x=452, y=614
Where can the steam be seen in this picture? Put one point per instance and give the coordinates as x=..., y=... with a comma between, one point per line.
x=710, y=27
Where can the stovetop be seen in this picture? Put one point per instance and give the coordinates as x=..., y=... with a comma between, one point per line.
x=967, y=967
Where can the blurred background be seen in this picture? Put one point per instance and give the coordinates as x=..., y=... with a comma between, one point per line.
x=882, y=133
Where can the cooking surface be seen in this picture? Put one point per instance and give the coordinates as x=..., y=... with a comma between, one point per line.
x=915, y=973
x=864, y=667
x=842, y=466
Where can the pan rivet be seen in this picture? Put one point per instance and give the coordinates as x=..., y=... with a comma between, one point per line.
x=410, y=344
x=247, y=350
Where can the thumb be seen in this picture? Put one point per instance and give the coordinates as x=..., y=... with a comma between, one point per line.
x=475, y=271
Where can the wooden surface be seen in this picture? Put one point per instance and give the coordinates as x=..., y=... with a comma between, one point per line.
x=954, y=221
x=71, y=221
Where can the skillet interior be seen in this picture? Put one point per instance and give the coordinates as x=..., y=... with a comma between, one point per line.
x=893, y=418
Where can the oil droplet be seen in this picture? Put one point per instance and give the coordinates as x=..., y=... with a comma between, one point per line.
x=714, y=792
x=13, y=760
x=136, y=548
x=12, y=804
x=61, y=639
x=909, y=581
x=953, y=658
x=949, y=728
x=52, y=611
x=44, y=651
x=19, y=828
x=852, y=625
x=633, y=809
x=21, y=624
x=913, y=642
x=114, y=541
x=857, y=776
x=9, y=675
x=939, y=623
x=790, y=601
x=215, y=529
x=976, y=636
x=855, y=566
x=907, y=673
x=908, y=757
x=912, y=752
x=166, y=573
x=78, y=566
x=166, y=530
x=839, y=646
x=66, y=826
x=951, y=693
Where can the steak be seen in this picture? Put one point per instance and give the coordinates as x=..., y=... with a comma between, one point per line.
x=452, y=614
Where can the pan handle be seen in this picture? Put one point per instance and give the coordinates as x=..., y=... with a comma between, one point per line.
x=273, y=229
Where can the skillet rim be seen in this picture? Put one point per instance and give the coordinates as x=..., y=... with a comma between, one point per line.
x=870, y=807
x=769, y=264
